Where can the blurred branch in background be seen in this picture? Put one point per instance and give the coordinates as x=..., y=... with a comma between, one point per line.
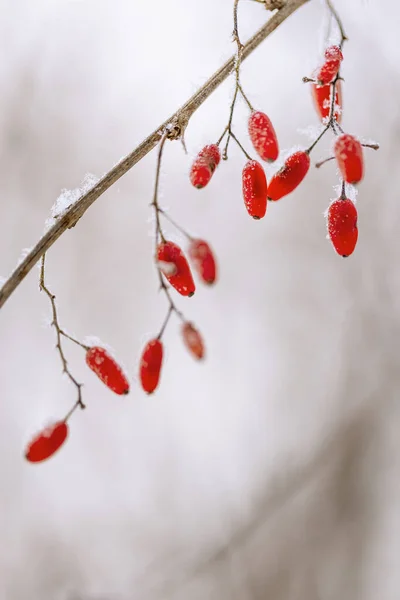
x=176, y=124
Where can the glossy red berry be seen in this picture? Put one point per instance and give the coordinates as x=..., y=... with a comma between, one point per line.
x=46, y=442
x=107, y=369
x=193, y=340
x=204, y=165
x=342, y=226
x=289, y=176
x=349, y=156
x=263, y=136
x=150, y=365
x=331, y=66
x=180, y=276
x=328, y=71
x=200, y=173
x=203, y=260
x=322, y=100
x=254, y=184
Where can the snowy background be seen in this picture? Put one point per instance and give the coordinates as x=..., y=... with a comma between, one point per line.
x=270, y=471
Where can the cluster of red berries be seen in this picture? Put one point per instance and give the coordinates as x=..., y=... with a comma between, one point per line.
x=171, y=262
x=174, y=266
x=342, y=214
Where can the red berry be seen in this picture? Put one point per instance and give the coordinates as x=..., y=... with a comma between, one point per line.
x=204, y=165
x=289, y=176
x=181, y=277
x=342, y=226
x=263, y=136
x=193, y=340
x=200, y=173
x=212, y=155
x=322, y=100
x=150, y=365
x=254, y=184
x=107, y=369
x=203, y=259
x=47, y=442
x=328, y=71
x=349, y=155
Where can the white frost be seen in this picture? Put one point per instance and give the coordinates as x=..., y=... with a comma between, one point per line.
x=68, y=197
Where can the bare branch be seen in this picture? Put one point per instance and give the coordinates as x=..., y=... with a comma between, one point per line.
x=179, y=119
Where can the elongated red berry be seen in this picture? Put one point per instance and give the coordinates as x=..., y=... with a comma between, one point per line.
x=46, y=442
x=322, y=100
x=181, y=277
x=193, y=340
x=107, y=369
x=331, y=66
x=289, y=176
x=328, y=71
x=263, y=136
x=204, y=165
x=150, y=365
x=203, y=260
x=342, y=226
x=349, y=156
x=254, y=183
x=200, y=173
x=212, y=155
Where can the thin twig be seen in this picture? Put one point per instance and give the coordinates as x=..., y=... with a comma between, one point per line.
x=159, y=235
x=72, y=215
x=335, y=15
x=322, y=162
x=175, y=224
x=59, y=334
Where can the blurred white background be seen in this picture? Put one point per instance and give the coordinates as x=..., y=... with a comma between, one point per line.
x=271, y=470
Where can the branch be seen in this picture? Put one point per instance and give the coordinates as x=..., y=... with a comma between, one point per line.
x=179, y=120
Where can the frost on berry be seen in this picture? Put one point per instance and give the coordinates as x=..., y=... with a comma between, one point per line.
x=322, y=100
x=181, y=278
x=334, y=53
x=342, y=226
x=150, y=365
x=107, y=369
x=212, y=155
x=331, y=66
x=193, y=340
x=46, y=442
x=204, y=165
x=254, y=183
x=289, y=176
x=263, y=137
x=349, y=156
x=203, y=260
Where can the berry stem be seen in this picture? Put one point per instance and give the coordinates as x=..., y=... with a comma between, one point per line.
x=343, y=192
x=372, y=146
x=322, y=162
x=338, y=20
x=159, y=234
x=233, y=136
x=59, y=333
x=245, y=98
x=238, y=87
x=175, y=224
x=318, y=139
